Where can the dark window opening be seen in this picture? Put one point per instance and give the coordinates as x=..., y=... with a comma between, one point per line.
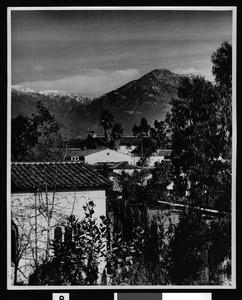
x=58, y=234
x=68, y=234
x=14, y=241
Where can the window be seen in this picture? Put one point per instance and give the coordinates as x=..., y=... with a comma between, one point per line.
x=58, y=234
x=75, y=158
x=14, y=241
x=68, y=234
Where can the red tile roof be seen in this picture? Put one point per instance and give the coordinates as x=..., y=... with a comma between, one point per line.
x=55, y=176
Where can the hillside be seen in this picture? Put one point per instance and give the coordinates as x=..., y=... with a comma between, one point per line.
x=147, y=97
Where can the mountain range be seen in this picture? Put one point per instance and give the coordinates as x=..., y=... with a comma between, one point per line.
x=148, y=96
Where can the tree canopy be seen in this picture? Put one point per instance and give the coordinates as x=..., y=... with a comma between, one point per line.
x=113, y=131
x=201, y=139
x=36, y=138
x=198, y=140
x=222, y=65
x=150, y=138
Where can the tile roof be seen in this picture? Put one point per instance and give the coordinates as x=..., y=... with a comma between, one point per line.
x=80, y=152
x=115, y=165
x=55, y=175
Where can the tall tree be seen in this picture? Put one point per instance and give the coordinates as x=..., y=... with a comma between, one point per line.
x=113, y=131
x=107, y=121
x=143, y=129
x=146, y=145
x=150, y=138
x=198, y=139
x=116, y=135
x=36, y=138
x=222, y=65
x=201, y=138
x=49, y=137
x=23, y=137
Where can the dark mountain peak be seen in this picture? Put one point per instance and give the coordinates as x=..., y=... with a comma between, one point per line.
x=155, y=77
x=162, y=76
x=148, y=96
x=158, y=72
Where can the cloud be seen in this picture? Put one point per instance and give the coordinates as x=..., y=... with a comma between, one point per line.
x=206, y=73
x=92, y=82
x=186, y=71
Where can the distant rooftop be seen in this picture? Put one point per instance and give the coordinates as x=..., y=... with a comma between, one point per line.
x=123, y=165
x=164, y=152
x=80, y=152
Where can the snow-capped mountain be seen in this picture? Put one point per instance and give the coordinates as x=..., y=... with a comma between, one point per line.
x=62, y=95
x=22, y=89
x=147, y=97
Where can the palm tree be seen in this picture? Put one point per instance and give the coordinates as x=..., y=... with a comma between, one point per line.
x=117, y=133
x=107, y=122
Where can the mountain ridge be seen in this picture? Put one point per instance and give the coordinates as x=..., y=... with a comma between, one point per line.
x=149, y=97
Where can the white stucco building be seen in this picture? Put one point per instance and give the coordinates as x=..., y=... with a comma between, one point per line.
x=159, y=156
x=43, y=196
x=93, y=156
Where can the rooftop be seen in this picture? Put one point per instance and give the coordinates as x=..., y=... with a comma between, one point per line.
x=55, y=176
x=80, y=152
x=123, y=165
x=164, y=152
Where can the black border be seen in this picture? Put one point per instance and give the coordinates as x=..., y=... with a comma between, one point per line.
x=89, y=294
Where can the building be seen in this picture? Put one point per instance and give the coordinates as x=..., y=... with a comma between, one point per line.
x=158, y=156
x=93, y=156
x=113, y=170
x=43, y=196
x=127, y=144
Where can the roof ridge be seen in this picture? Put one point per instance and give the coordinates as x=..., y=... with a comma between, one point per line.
x=45, y=163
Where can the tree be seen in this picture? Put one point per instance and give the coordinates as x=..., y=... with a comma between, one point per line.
x=222, y=65
x=113, y=131
x=23, y=137
x=160, y=133
x=222, y=70
x=188, y=250
x=36, y=138
x=116, y=135
x=150, y=138
x=142, y=130
x=161, y=178
x=146, y=145
x=201, y=135
x=198, y=139
x=49, y=137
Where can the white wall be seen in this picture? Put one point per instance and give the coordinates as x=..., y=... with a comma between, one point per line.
x=29, y=214
x=125, y=149
x=153, y=159
x=109, y=155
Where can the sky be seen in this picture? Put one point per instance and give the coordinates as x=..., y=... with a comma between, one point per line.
x=92, y=52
